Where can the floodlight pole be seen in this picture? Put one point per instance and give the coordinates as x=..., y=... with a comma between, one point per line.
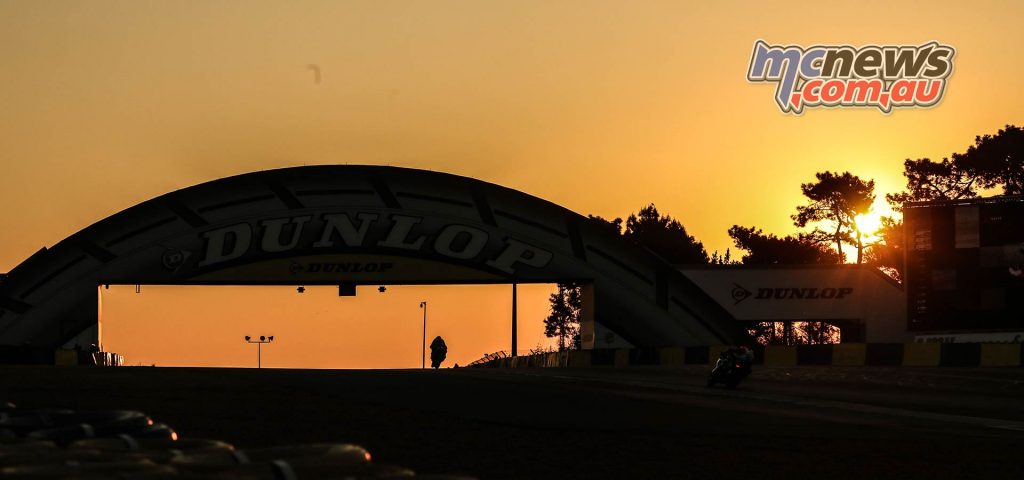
x=259, y=348
x=515, y=333
x=423, y=353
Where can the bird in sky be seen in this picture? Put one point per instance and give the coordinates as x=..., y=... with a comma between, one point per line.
x=316, y=72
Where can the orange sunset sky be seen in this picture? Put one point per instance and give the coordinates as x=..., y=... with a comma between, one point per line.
x=598, y=106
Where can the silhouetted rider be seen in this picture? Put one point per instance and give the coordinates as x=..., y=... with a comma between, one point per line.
x=438, y=351
x=743, y=356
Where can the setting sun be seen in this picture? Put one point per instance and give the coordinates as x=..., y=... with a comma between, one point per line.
x=869, y=223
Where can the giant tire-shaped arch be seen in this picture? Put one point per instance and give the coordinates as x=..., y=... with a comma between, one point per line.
x=409, y=226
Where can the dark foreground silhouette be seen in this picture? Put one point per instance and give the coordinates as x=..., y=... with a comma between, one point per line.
x=599, y=423
x=438, y=352
x=64, y=443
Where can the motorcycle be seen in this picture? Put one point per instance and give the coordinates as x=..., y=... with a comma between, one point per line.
x=436, y=359
x=438, y=352
x=729, y=371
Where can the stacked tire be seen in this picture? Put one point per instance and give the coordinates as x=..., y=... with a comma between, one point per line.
x=124, y=444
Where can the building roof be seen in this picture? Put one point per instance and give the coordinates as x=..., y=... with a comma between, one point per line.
x=967, y=201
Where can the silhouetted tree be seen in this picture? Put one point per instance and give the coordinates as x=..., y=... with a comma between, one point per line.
x=726, y=259
x=996, y=160
x=611, y=226
x=836, y=198
x=793, y=333
x=661, y=234
x=993, y=161
x=762, y=333
x=816, y=333
x=665, y=236
x=769, y=248
x=564, y=320
x=887, y=252
x=541, y=349
x=928, y=180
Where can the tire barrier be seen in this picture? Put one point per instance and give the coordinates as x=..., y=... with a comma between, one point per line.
x=671, y=356
x=849, y=354
x=960, y=355
x=843, y=354
x=883, y=354
x=780, y=356
x=66, y=444
x=702, y=355
x=1000, y=355
x=814, y=355
x=922, y=354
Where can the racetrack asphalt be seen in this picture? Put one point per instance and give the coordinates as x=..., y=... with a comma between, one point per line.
x=650, y=423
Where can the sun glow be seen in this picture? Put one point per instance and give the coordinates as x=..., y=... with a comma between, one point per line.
x=869, y=223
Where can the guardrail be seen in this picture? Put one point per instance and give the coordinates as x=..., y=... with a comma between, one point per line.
x=843, y=354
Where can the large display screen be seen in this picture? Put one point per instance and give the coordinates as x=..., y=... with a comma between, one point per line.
x=965, y=264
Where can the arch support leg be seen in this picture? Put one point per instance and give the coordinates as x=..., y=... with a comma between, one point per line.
x=587, y=319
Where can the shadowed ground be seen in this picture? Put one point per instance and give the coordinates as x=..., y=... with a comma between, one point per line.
x=803, y=422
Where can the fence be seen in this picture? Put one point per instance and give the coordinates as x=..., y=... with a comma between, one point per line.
x=488, y=357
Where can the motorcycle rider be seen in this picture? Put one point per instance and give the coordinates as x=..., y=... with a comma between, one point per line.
x=747, y=354
x=438, y=352
x=743, y=356
x=732, y=366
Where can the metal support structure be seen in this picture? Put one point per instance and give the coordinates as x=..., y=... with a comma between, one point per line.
x=515, y=327
x=423, y=354
x=588, y=321
x=259, y=347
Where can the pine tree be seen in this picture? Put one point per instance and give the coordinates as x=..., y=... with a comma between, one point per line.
x=564, y=320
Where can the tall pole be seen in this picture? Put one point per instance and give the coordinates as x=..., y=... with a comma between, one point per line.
x=259, y=347
x=423, y=354
x=515, y=312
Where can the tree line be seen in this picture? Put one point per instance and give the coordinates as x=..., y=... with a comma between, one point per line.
x=833, y=205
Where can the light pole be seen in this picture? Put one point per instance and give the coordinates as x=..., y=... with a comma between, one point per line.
x=423, y=354
x=515, y=320
x=259, y=347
